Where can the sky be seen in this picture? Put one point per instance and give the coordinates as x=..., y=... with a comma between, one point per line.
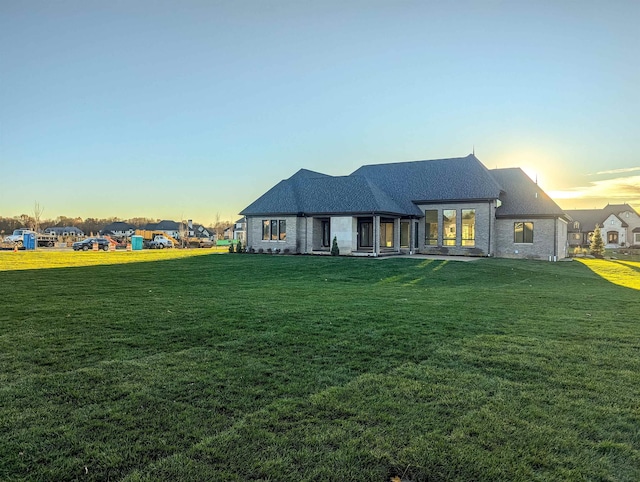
x=193, y=109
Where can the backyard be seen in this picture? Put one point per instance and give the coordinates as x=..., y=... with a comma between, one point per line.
x=256, y=367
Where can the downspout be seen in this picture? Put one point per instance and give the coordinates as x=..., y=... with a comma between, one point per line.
x=492, y=215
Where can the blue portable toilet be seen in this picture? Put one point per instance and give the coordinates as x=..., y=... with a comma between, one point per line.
x=29, y=240
x=136, y=242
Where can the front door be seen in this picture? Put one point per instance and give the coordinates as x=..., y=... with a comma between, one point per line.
x=612, y=237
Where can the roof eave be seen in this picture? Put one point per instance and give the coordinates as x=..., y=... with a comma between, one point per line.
x=449, y=201
x=533, y=216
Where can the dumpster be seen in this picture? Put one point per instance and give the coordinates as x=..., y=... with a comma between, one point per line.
x=29, y=240
x=136, y=242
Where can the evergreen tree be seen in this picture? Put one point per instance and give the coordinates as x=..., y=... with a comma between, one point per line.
x=597, y=245
x=335, y=251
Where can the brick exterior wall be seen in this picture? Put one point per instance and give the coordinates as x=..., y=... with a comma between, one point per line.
x=493, y=237
x=254, y=234
x=546, y=233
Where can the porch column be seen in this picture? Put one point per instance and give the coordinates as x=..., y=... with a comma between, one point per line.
x=396, y=235
x=376, y=235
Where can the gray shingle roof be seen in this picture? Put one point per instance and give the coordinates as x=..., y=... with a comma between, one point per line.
x=323, y=195
x=118, y=226
x=396, y=188
x=441, y=180
x=522, y=197
x=164, y=225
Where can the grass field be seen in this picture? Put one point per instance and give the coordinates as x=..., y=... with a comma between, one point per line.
x=248, y=367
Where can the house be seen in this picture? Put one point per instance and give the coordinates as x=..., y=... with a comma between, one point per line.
x=446, y=206
x=199, y=231
x=619, y=223
x=172, y=228
x=119, y=229
x=65, y=231
x=240, y=230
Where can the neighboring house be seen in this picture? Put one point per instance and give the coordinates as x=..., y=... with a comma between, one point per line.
x=619, y=223
x=119, y=229
x=172, y=228
x=199, y=231
x=446, y=206
x=240, y=230
x=65, y=231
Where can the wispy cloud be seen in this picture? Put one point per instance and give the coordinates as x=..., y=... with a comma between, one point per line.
x=616, y=171
x=615, y=191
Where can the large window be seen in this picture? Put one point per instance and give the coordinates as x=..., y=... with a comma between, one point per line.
x=274, y=230
x=523, y=233
x=636, y=238
x=449, y=227
x=431, y=227
x=404, y=234
x=468, y=227
x=386, y=233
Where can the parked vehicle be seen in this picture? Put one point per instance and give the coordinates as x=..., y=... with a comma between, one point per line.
x=87, y=244
x=160, y=242
x=17, y=238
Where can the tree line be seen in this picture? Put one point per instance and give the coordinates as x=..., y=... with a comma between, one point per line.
x=88, y=225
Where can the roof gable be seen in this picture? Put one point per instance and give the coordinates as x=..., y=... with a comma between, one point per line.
x=614, y=217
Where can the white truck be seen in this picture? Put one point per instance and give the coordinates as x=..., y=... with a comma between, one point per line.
x=17, y=238
x=160, y=242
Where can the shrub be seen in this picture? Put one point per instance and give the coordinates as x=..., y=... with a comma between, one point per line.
x=260, y=250
x=231, y=247
x=335, y=251
x=239, y=247
x=597, y=245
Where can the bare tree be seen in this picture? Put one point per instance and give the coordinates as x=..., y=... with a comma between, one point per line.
x=37, y=215
x=184, y=233
x=216, y=225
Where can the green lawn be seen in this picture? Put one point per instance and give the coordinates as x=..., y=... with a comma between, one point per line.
x=249, y=367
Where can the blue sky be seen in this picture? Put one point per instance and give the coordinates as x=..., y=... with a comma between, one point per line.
x=195, y=108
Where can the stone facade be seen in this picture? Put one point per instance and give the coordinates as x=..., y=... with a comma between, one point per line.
x=613, y=232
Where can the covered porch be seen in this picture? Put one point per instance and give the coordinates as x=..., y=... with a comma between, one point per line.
x=364, y=235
